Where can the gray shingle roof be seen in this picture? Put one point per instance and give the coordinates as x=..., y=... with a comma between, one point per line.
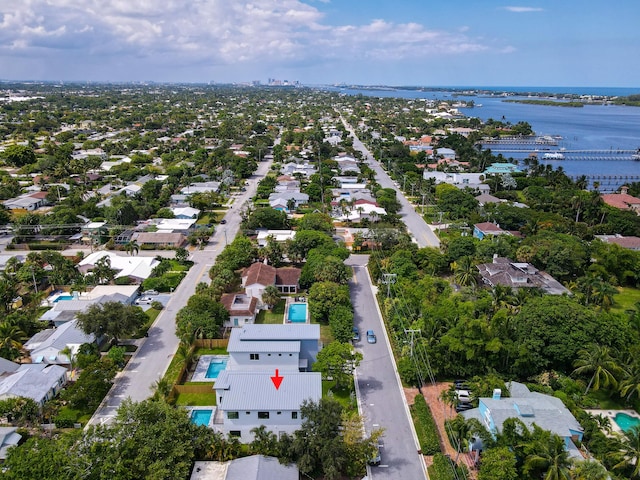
x=255, y=391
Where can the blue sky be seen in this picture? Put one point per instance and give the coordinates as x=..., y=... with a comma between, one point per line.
x=402, y=42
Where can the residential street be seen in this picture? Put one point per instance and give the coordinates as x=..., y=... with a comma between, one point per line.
x=381, y=397
x=414, y=222
x=153, y=357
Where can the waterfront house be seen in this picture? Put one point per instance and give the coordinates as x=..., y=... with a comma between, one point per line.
x=545, y=411
x=501, y=168
x=622, y=200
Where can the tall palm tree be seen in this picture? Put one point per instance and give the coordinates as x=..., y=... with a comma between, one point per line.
x=597, y=360
x=629, y=445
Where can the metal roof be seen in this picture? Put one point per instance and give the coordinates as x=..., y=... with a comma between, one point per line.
x=255, y=346
x=266, y=332
x=255, y=391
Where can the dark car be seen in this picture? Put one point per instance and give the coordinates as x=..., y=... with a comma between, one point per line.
x=223, y=221
x=356, y=334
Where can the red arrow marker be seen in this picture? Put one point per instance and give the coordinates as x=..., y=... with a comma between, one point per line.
x=277, y=380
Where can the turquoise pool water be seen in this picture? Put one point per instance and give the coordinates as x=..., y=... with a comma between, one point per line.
x=63, y=297
x=215, y=367
x=298, y=312
x=201, y=417
x=626, y=422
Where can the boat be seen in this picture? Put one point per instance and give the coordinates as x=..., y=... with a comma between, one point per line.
x=635, y=156
x=553, y=156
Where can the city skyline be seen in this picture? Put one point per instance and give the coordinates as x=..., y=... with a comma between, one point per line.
x=541, y=43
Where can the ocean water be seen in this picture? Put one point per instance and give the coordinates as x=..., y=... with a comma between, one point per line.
x=592, y=127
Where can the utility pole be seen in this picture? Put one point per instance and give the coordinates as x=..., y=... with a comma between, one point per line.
x=412, y=332
x=423, y=196
x=388, y=279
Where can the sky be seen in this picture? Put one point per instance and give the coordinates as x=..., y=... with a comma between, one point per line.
x=365, y=42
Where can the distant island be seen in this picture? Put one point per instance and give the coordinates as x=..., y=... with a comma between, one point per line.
x=553, y=103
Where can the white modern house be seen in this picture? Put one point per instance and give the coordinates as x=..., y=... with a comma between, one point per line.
x=249, y=399
x=246, y=394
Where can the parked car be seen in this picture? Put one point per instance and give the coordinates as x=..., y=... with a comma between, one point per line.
x=464, y=396
x=376, y=458
x=150, y=292
x=371, y=337
x=356, y=334
x=223, y=221
x=144, y=301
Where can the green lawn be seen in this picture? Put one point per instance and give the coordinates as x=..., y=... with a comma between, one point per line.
x=626, y=299
x=342, y=395
x=196, y=399
x=607, y=401
x=211, y=351
x=275, y=316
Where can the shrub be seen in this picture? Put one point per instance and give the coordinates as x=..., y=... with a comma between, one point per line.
x=441, y=469
x=425, y=427
x=66, y=418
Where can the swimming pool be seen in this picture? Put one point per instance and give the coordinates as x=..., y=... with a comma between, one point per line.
x=215, y=367
x=63, y=297
x=626, y=422
x=201, y=416
x=297, y=313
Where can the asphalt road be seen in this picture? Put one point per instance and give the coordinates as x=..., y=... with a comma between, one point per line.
x=151, y=360
x=381, y=397
x=415, y=223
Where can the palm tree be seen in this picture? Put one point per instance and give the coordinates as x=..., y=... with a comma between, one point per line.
x=271, y=296
x=630, y=385
x=132, y=247
x=550, y=457
x=161, y=389
x=589, y=470
x=11, y=340
x=464, y=271
x=597, y=360
x=629, y=445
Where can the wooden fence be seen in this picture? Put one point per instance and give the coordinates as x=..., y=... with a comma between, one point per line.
x=211, y=342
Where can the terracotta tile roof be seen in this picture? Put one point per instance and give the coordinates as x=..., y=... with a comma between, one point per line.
x=287, y=276
x=39, y=195
x=239, y=304
x=623, y=201
x=259, y=273
x=632, y=243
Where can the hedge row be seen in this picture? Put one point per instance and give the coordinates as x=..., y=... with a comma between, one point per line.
x=441, y=469
x=426, y=428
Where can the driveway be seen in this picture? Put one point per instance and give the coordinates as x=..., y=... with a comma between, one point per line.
x=381, y=398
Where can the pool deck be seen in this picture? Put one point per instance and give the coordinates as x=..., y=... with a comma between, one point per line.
x=200, y=373
x=611, y=414
x=295, y=300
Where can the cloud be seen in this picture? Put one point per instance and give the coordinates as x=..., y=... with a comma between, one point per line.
x=523, y=9
x=215, y=33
